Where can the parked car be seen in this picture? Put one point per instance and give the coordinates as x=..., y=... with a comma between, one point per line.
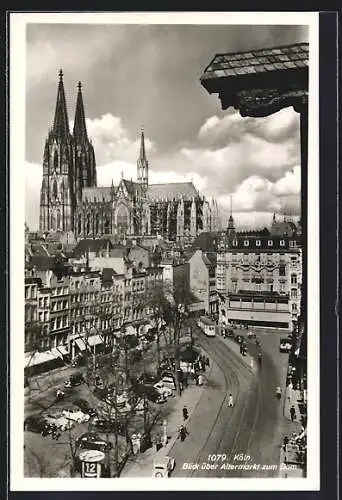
x=251, y=335
x=37, y=423
x=83, y=405
x=163, y=389
x=168, y=382
x=239, y=339
x=91, y=441
x=285, y=345
x=163, y=467
x=76, y=415
x=74, y=380
x=60, y=421
x=107, y=425
x=148, y=378
x=160, y=399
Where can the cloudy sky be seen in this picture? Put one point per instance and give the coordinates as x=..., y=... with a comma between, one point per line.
x=135, y=75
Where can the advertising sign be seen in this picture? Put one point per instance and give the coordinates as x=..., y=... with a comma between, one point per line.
x=91, y=463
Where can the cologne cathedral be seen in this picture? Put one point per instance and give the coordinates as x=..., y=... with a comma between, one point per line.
x=70, y=199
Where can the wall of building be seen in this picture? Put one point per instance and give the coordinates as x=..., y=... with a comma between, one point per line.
x=199, y=278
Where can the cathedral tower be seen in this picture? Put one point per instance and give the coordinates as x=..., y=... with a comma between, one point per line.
x=57, y=194
x=83, y=151
x=142, y=163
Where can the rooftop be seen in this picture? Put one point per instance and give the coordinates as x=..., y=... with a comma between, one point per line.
x=258, y=61
x=172, y=191
x=260, y=82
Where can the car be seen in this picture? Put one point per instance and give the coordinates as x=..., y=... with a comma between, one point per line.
x=163, y=389
x=148, y=378
x=285, y=345
x=160, y=399
x=251, y=335
x=239, y=339
x=107, y=425
x=168, y=382
x=37, y=423
x=59, y=420
x=163, y=467
x=74, y=380
x=76, y=415
x=91, y=441
x=83, y=405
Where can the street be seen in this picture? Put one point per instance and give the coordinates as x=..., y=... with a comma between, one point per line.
x=247, y=434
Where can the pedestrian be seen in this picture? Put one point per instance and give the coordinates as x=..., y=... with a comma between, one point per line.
x=293, y=413
x=285, y=443
x=185, y=413
x=230, y=400
x=200, y=379
x=208, y=362
x=196, y=379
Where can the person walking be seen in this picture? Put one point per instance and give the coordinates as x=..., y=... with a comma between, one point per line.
x=230, y=400
x=293, y=413
x=185, y=413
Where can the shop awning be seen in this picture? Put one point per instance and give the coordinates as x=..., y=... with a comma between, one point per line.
x=60, y=351
x=39, y=358
x=95, y=340
x=81, y=344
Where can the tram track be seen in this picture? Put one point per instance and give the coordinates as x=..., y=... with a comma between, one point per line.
x=240, y=380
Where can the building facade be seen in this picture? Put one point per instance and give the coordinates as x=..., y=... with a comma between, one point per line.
x=202, y=281
x=259, y=278
x=71, y=201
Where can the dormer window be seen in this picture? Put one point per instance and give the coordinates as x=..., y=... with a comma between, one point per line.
x=258, y=243
x=246, y=243
x=235, y=243
x=270, y=243
x=282, y=243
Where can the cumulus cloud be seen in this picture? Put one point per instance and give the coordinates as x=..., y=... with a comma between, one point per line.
x=112, y=142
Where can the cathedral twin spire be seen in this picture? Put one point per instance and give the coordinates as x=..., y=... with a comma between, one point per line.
x=80, y=129
x=61, y=121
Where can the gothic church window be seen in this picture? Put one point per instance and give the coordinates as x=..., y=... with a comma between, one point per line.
x=88, y=224
x=106, y=225
x=97, y=223
x=54, y=189
x=55, y=160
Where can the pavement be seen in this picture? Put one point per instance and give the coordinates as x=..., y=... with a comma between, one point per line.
x=291, y=398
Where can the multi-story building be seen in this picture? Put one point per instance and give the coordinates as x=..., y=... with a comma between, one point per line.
x=202, y=280
x=32, y=326
x=59, y=310
x=259, y=278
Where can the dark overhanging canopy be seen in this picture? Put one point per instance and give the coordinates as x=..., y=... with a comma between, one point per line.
x=260, y=82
